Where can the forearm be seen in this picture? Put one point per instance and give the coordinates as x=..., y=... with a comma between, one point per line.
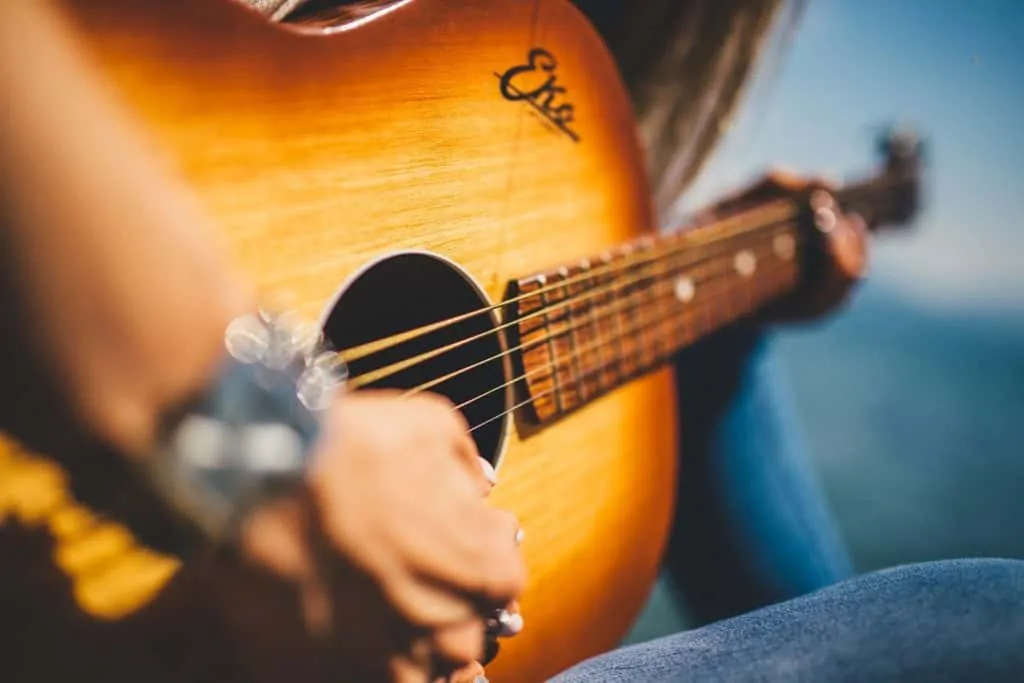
x=116, y=282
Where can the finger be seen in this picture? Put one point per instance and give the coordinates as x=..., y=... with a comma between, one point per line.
x=490, y=474
x=847, y=254
x=499, y=571
x=784, y=179
x=480, y=470
x=460, y=644
x=441, y=414
x=848, y=246
x=464, y=545
x=426, y=603
x=472, y=673
x=511, y=524
x=491, y=573
x=276, y=537
x=415, y=596
x=406, y=670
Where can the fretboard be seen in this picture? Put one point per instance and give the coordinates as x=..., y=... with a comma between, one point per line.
x=588, y=327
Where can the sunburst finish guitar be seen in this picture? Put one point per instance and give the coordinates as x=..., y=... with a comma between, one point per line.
x=456, y=189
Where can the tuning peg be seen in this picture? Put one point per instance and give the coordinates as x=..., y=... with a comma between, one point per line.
x=901, y=148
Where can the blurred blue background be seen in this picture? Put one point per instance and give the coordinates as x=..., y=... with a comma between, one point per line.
x=912, y=399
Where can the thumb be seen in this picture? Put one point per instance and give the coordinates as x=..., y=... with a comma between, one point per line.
x=472, y=673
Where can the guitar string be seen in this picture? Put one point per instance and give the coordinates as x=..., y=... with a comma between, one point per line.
x=657, y=359
x=648, y=292
x=631, y=258
x=626, y=305
x=704, y=307
x=695, y=255
x=570, y=300
x=387, y=371
x=633, y=254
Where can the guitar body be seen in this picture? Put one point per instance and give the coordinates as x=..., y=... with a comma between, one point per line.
x=323, y=154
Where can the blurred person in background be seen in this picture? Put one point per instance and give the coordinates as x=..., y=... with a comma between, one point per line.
x=753, y=530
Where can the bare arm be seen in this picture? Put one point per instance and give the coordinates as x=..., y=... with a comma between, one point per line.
x=114, y=283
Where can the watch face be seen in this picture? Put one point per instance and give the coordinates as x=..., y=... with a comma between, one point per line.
x=248, y=439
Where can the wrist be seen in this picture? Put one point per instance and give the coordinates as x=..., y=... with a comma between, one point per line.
x=248, y=436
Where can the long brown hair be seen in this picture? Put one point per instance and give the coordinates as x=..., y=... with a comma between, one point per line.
x=687, y=64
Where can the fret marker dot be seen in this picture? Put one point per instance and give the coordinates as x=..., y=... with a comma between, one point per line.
x=784, y=246
x=685, y=290
x=745, y=263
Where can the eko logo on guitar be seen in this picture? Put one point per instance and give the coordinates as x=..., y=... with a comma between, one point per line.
x=516, y=85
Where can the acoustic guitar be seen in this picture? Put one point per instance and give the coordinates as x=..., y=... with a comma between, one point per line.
x=456, y=189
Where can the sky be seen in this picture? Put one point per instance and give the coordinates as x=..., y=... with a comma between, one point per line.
x=954, y=71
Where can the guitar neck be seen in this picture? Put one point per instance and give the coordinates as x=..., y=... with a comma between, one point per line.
x=589, y=327
x=586, y=328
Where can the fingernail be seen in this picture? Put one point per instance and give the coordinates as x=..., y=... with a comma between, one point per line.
x=509, y=624
x=520, y=535
x=481, y=679
x=489, y=472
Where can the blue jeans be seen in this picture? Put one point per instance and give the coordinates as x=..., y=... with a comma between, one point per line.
x=752, y=526
x=956, y=621
x=755, y=556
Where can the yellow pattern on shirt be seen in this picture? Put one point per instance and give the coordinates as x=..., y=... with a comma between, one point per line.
x=111, y=572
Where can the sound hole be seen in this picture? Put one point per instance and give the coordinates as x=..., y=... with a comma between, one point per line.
x=410, y=290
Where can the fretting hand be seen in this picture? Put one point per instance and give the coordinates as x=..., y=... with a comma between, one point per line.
x=846, y=249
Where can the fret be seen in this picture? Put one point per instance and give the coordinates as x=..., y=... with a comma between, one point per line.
x=784, y=250
x=584, y=333
x=684, y=290
x=671, y=309
x=747, y=263
x=610, y=327
x=701, y=312
x=635, y=300
x=732, y=285
x=601, y=323
x=652, y=347
x=725, y=284
x=558, y=319
x=538, y=352
x=762, y=287
x=706, y=302
x=632, y=336
x=664, y=302
x=572, y=333
x=587, y=319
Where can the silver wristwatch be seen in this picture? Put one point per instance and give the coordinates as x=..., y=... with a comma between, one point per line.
x=249, y=437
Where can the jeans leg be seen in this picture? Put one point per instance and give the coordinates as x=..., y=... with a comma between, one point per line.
x=952, y=621
x=752, y=525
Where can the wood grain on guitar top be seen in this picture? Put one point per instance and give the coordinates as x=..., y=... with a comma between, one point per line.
x=318, y=154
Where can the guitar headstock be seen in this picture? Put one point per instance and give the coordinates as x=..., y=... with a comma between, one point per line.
x=892, y=197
